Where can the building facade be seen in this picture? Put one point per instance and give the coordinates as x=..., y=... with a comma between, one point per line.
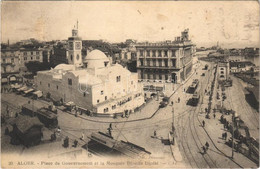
x=240, y=66
x=10, y=61
x=14, y=60
x=94, y=84
x=30, y=55
x=223, y=71
x=169, y=61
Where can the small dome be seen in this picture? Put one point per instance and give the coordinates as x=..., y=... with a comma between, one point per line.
x=64, y=67
x=96, y=59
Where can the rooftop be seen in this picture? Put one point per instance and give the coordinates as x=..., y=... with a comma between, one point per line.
x=24, y=123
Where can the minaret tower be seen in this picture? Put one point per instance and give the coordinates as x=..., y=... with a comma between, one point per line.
x=75, y=47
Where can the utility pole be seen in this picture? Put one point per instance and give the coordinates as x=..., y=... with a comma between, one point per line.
x=233, y=120
x=173, y=128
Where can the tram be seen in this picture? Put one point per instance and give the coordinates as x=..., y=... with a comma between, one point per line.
x=193, y=86
x=46, y=116
x=195, y=99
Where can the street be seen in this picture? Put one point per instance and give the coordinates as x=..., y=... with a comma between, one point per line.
x=140, y=128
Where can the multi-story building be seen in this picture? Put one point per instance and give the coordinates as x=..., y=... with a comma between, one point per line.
x=223, y=70
x=10, y=60
x=29, y=55
x=13, y=62
x=46, y=53
x=125, y=54
x=169, y=61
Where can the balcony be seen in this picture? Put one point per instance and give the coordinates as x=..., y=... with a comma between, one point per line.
x=9, y=63
x=158, y=67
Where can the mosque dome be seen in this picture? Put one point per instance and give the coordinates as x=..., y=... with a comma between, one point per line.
x=96, y=59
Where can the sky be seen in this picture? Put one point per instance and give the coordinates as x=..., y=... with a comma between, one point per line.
x=232, y=23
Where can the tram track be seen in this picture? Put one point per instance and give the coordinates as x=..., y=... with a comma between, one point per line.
x=212, y=164
x=183, y=138
x=191, y=117
x=182, y=135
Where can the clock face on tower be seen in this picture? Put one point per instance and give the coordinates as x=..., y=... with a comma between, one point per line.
x=71, y=45
x=78, y=45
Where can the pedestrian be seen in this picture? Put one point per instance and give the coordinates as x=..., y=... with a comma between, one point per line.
x=221, y=118
x=214, y=115
x=75, y=143
x=225, y=136
x=184, y=89
x=154, y=134
x=109, y=131
x=58, y=129
x=66, y=142
x=227, y=124
x=206, y=110
x=203, y=123
x=204, y=150
x=172, y=103
x=207, y=145
x=82, y=137
x=179, y=99
x=110, y=125
x=228, y=127
x=53, y=137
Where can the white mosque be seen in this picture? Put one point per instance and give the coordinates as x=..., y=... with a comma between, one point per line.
x=94, y=84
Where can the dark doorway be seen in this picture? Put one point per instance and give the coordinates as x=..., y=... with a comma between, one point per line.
x=174, y=78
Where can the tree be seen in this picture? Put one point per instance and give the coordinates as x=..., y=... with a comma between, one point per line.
x=35, y=66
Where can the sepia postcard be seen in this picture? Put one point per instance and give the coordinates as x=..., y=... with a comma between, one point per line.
x=130, y=84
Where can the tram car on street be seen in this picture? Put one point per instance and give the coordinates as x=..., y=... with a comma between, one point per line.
x=46, y=116
x=193, y=86
x=29, y=110
x=195, y=99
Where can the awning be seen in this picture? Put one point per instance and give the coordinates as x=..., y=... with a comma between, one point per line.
x=16, y=86
x=38, y=93
x=22, y=88
x=13, y=78
x=4, y=80
x=28, y=91
x=70, y=103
